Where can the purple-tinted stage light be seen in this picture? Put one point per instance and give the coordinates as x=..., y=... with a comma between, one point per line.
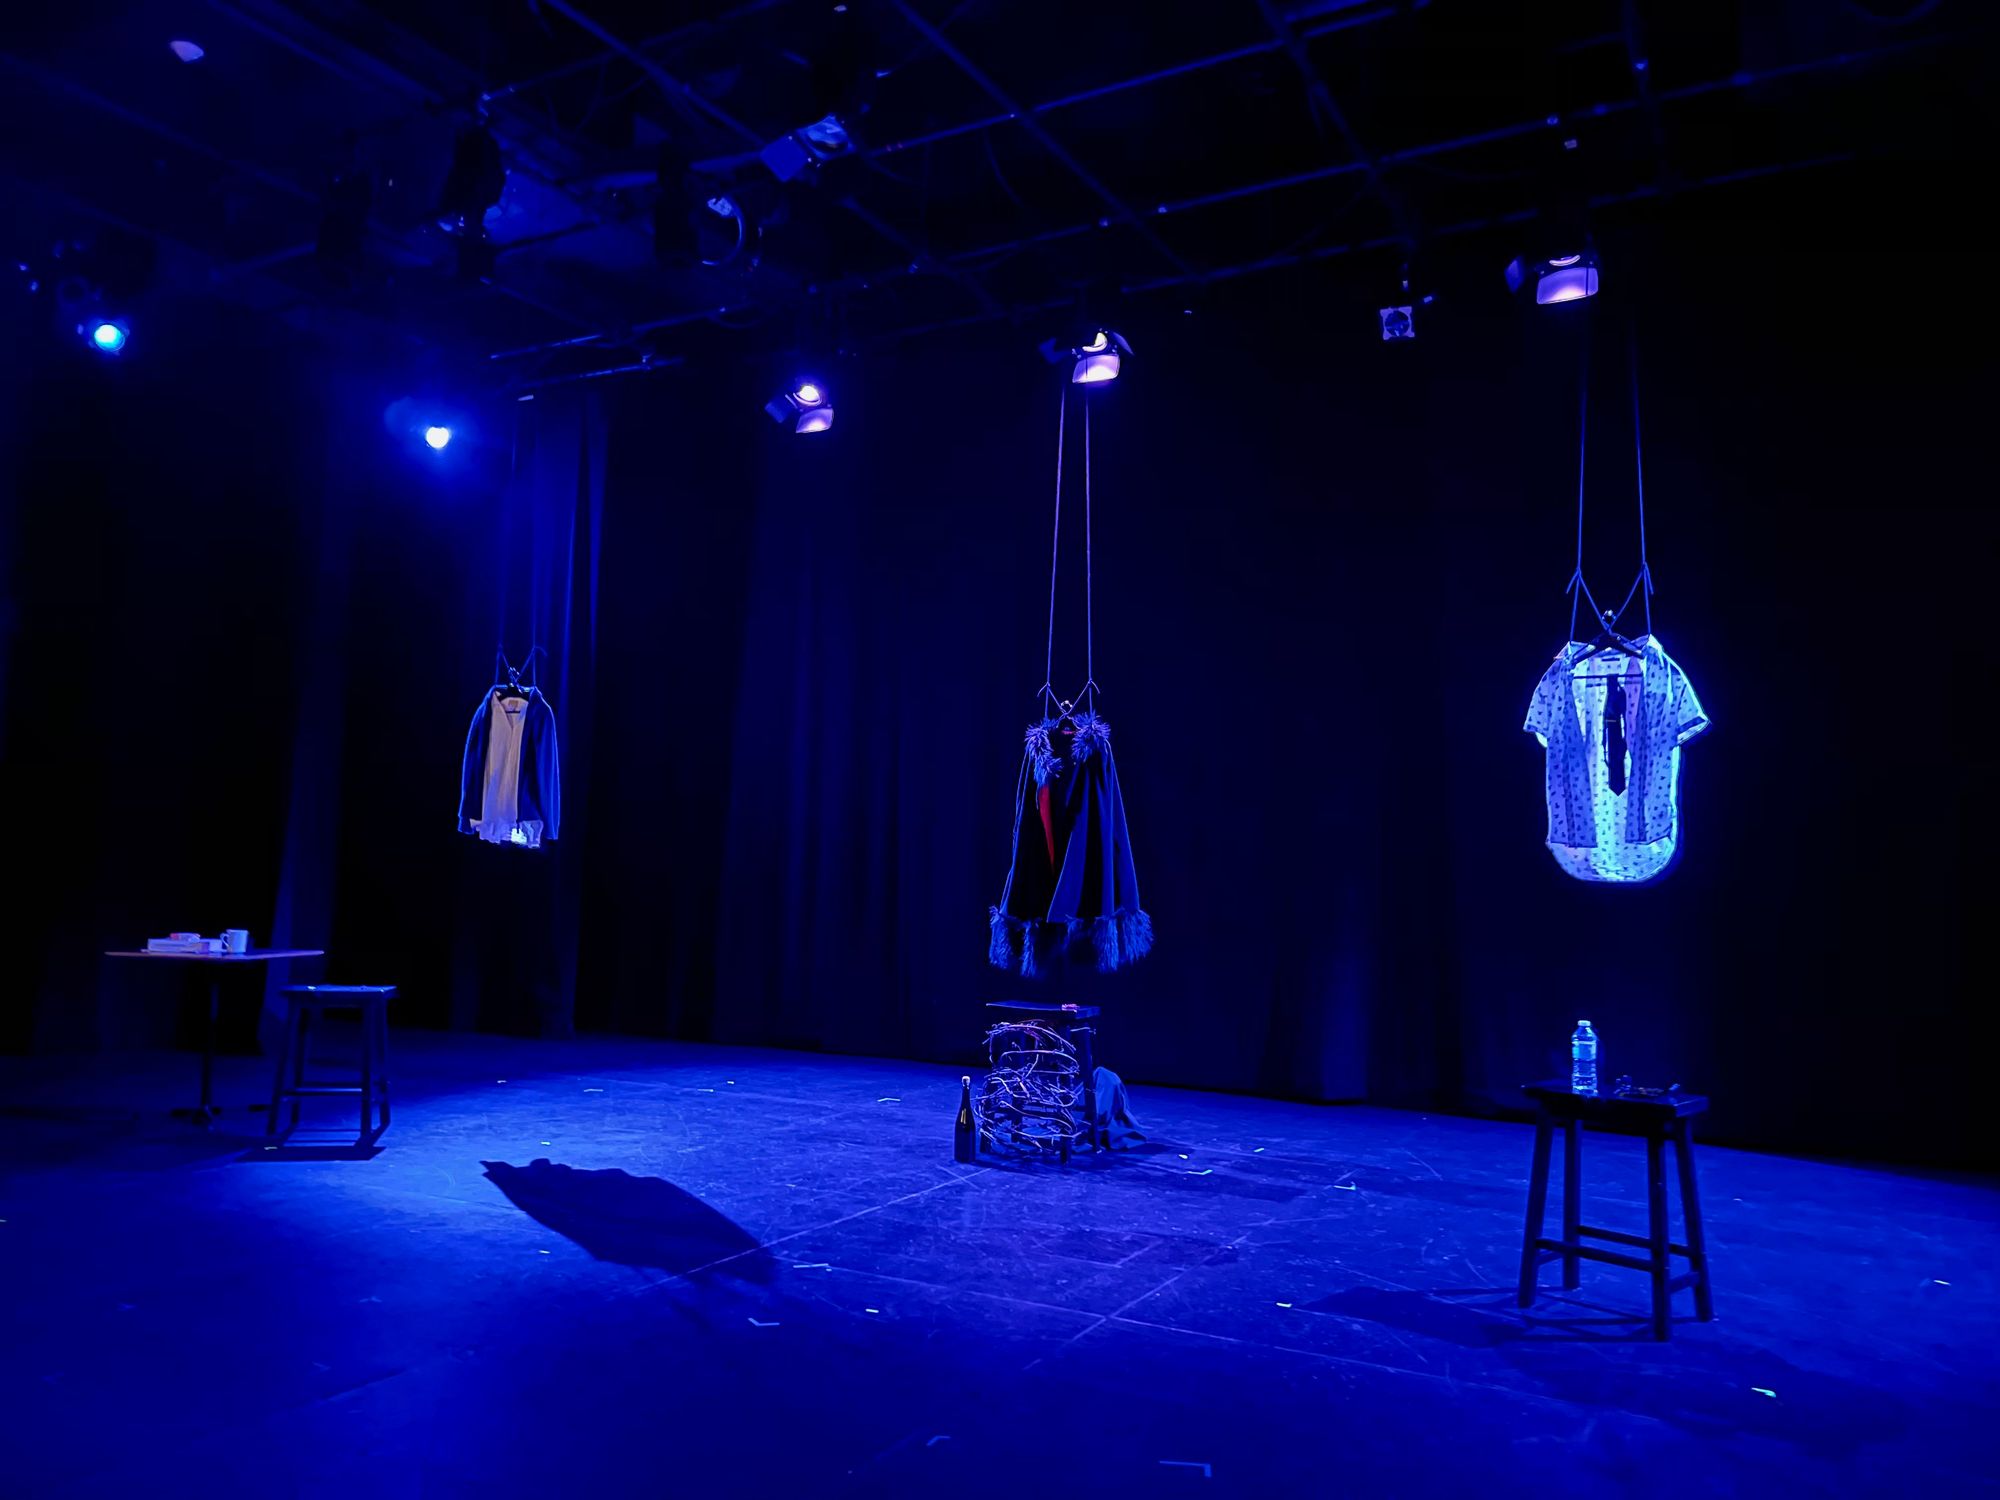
x=187, y=52
x=437, y=437
x=1566, y=278
x=1569, y=277
x=1094, y=368
x=806, y=406
x=106, y=335
x=1096, y=359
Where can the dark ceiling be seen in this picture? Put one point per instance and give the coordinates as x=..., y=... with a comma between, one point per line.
x=1013, y=157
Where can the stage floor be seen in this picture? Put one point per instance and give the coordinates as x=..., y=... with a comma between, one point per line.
x=621, y=1268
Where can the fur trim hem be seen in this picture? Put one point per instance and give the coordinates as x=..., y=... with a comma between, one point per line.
x=1036, y=949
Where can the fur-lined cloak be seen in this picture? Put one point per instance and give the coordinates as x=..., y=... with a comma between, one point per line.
x=1072, y=895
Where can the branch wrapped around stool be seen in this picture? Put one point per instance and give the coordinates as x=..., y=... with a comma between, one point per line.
x=1030, y=1101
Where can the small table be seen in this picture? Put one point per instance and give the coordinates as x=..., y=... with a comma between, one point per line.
x=206, y=1111
x=1663, y=1119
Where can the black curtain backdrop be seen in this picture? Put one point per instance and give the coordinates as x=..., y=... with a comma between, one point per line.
x=246, y=629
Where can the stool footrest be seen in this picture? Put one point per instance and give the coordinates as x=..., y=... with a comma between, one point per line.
x=1619, y=1237
x=1553, y=1250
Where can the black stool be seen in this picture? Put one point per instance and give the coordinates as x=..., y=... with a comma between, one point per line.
x=302, y=1002
x=1660, y=1119
x=1076, y=1024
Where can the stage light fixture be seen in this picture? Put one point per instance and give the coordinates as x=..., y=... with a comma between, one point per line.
x=437, y=437
x=814, y=145
x=187, y=52
x=1568, y=277
x=806, y=406
x=106, y=335
x=1399, y=319
x=1094, y=359
x=699, y=217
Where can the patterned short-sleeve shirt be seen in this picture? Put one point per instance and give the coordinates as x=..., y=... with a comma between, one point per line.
x=1613, y=726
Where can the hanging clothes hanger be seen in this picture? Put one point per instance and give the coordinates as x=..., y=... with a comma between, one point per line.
x=513, y=687
x=1608, y=639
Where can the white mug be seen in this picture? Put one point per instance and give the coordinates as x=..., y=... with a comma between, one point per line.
x=236, y=940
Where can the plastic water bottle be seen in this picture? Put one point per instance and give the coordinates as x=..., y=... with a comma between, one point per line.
x=1583, y=1059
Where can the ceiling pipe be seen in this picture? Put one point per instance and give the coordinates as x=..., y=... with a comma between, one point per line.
x=1292, y=259
x=356, y=65
x=640, y=367
x=666, y=81
x=1289, y=259
x=1048, y=143
x=688, y=32
x=1441, y=147
x=1328, y=108
x=271, y=180
x=750, y=137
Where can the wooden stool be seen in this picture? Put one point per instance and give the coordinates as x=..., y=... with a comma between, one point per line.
x=302, y=1002
x=1660, y=1119
x=1076, y=1024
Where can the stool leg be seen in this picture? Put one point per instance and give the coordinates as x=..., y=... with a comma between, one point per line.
x=1704, y=1300
x=1656, y=1230
x=367, y=1070
x=282, y=1061
x=1572, y=1203
x=1538, y=1205
x=381, y=1023
x=300, y=1033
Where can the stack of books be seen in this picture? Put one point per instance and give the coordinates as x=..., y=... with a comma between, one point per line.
x=186, y=942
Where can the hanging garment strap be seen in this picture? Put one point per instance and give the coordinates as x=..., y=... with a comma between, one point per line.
x=1642, y=584
x=1088, y=693
x=505, y=671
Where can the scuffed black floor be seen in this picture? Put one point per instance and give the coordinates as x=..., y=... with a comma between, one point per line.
x=637, y=1269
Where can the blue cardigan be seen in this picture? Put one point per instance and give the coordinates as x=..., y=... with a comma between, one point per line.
x=540, y=792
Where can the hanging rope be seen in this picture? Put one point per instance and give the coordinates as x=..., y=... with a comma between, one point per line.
x=1639, y=475
x=1089, y=624
x=1578, y=589
x=1642, y=584
x=1089, y=688
x=1055, y=549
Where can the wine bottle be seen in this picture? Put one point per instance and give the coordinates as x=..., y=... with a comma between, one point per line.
x=964, y=1133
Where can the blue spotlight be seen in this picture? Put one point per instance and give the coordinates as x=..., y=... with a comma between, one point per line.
x=106, y=335
x=437, y=437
